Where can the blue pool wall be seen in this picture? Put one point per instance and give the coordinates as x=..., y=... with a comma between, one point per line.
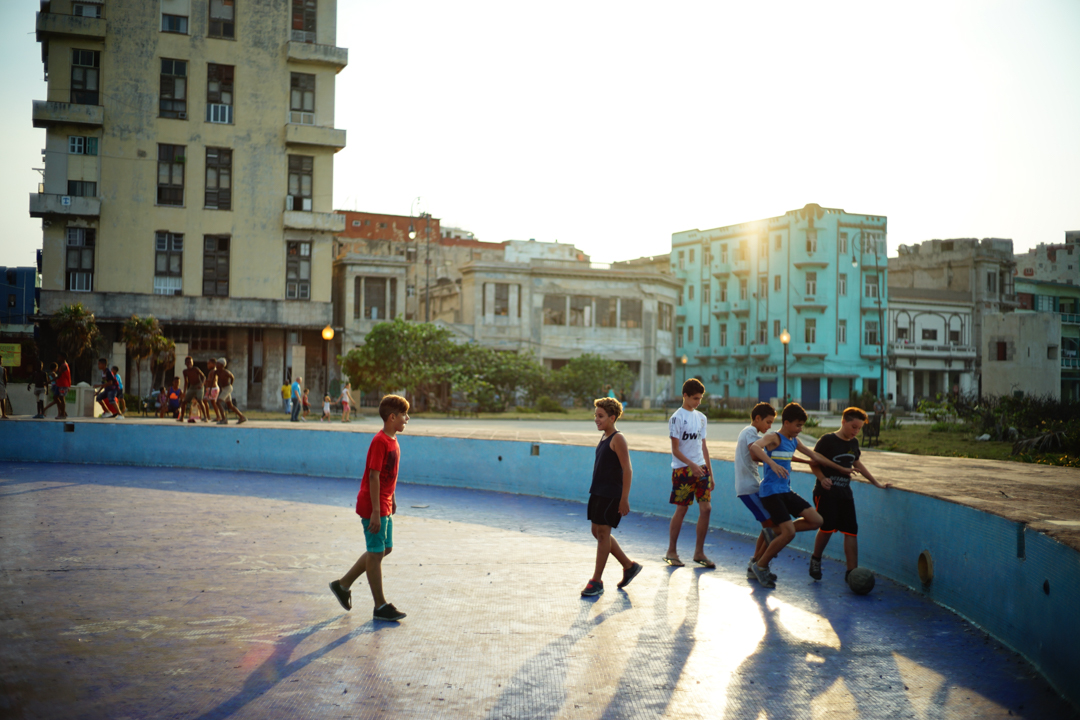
x=1021, y=586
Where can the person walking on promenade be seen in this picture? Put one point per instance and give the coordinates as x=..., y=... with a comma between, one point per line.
x=748, y=479
x=609, y=495
x=286, y=396
x=58, y=392
x=210, y=397
x=225, y=401
x=325, y=409
x=39, y=379
x=376, y=504
x=691, y=472
x=305, y=403
x=193, y=389
x=120, y=401
x=296, y=391
x=346, y=402
x=109, y=385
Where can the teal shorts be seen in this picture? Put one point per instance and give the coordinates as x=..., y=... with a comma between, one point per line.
x=382, y=540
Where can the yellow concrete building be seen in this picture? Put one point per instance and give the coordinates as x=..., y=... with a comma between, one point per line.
x=189, y=175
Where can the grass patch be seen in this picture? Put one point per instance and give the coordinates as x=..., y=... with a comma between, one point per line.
x=955, y=441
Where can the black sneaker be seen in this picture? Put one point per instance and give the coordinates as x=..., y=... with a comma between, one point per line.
x=629, y=574
x=389, y=613
x=593, y=589
x=343, y=596
x=815, y=568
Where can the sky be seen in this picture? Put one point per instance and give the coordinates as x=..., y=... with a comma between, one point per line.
x=613, y=125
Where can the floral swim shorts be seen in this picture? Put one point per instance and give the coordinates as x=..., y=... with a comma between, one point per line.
x=685, y=487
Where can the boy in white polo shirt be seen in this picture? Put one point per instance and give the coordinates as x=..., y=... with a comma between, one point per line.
x=691, y=472
x=748, y=478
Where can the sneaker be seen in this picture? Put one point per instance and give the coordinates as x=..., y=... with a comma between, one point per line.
x=344, y=597
x=241, y=421
x=389, y=613
x=815, y=568
x=629, y=574
x=105, y=415
x=119, y=416
x=593, y=589
x=750, y=571
x=764, y=577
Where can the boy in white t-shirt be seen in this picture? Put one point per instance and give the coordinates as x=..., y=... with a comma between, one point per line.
x=748, y=479
x=691, y=472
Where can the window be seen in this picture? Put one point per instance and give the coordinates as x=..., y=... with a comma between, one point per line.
x=86, y=10
x=763, y=332
x=82, y=145
x=630, y=315
x=218, y=179
x=742, y=333
x=841, y=284
x=901, y=333
x=680, y=297
x=302, y=99
x=300, y=172
x=375, y=298
x=928, y=334
x=607, y=308
x=954, y=337
x=723, y=292
x=174, y=24
x=763, y=247
x=502, y=299
x=872, y=336
x=778, y=242
x=81, y=188
x=1002, y=351
x=170, y=189
x=841, y=332
x=744, y=253
x=580, y=310
x=763, y=286
x=85, y=76
x=811, y=284
x=706, y=257
x=811, y=241
x=172, y=100
x=168, y=263
x=723, y=253
x=200, y=339
x=691, y=256
x=870, y=288
x=776, y=328
x=776, y=283
x=222, y=19
x=679, y=343
x=723, y=334
x=991, y=282
x=80, y=259
x=554, y=309
x=682, y=260
x=706, y=294
x=841, y=244
x=1051, y=352
x=219, y=93
x=303, y=21
x=742, y=288
x=705, y=336
x=810, y=331
x=215, y=265
x=667, y=315
x=298, y=271
x=689, y=334
x=690, y=293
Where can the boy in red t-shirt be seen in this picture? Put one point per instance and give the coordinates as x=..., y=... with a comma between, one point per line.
x=376, y=504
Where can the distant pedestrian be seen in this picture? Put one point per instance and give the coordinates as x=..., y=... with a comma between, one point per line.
x=39, y=379
x=120, y=390
x=163, y=402
x=109, y=389
x=225, y=400
x=176, y=397
x=305, y=404
x=193, y=389
x=286, y=396
x=325, y=408
x=63, y=384
x=3, y=393
x=54, y=390
x=212, y=390
x=295, y=392
x=346, y=402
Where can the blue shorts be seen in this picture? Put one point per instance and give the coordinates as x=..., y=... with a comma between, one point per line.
x=753, y=503
x=382, y=540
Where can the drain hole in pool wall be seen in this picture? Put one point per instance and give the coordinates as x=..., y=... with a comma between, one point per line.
x=926, y=567
x=1046, y=586
x=536, y=449
x=500, y=458
x=69, y=427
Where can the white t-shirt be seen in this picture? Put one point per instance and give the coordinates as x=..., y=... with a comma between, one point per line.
x=689, y=427
x=747, y=477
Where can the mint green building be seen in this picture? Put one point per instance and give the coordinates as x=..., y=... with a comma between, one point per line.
x=817, y=274
x=1062, y=299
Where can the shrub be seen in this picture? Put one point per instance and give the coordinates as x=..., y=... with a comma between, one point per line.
x=812, y=422
x=545, y=403
x=948, y=427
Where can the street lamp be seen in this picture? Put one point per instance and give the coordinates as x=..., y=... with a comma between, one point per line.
x=684, y=360
x=785, y=338
x=327, y=335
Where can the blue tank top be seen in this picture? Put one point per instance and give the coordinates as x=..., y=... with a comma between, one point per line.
x=771, y=483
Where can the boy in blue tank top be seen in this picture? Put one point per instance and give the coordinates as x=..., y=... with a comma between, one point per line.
x=776, y=451
x=609, y=495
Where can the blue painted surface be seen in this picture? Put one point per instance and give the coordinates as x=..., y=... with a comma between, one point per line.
x=976, y=569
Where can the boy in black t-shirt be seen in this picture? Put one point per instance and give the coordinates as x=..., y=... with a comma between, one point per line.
x=832, y=495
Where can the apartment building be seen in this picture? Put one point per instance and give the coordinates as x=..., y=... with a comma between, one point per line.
x=1054, y=262
x=815, y=276
x=189, y=154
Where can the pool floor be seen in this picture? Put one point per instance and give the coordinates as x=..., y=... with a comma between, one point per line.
x=161, y=593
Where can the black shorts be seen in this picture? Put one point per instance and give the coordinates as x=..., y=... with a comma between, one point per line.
x=837, y=508
x=784, y=506
x=604, y=511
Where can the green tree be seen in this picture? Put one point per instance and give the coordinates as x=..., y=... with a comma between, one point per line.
x=492, y=378
x=76, y=331
x=588, y=376
x=143, y=337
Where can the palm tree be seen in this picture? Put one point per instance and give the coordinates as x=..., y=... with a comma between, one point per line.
x=142, y=336
x=76, y=330
x=163, y=355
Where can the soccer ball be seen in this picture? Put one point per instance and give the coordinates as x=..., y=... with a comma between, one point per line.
x=861, y=581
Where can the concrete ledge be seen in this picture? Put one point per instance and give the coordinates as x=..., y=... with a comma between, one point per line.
x=1021, y=586
x=48, y=113
x=301, y=52
x=42, y=204
x=317, y=221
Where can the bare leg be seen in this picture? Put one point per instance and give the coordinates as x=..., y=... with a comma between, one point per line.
x=354, y=573
x=851, y=551
x=821, y=542
x=374, y=578
x=704, y=511
x=618, y=554
x=760, y=546
x=785, y=533
x=237, y=411
x=673, y=531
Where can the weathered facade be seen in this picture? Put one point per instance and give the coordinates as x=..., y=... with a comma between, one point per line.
x=1022, y=354
x=189, y=175
x=1056, y=263
x=1061, y=300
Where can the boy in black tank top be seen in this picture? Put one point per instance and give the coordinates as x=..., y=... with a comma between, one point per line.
x=609, y=495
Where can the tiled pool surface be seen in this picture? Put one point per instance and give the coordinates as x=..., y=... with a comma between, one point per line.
x=143, y=592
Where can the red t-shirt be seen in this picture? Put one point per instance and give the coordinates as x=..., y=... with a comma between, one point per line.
x=64, y=380
x=383, y=456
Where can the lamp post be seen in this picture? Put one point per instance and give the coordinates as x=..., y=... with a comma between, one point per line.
x=785, y=338
x=684, y=360
x=327, y=335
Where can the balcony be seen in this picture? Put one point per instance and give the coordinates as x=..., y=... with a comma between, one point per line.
x=809, y=304
x=297, y=134
x=911, y=349
x=303, y=52
x=760, y=351
x=870, y=303
x=43, y=204
x=872, y=261
x=740, y=307
x=314, y=221
x=72, y=26
x=1070, y=319
x=1070, y=363
x=721, y=308
x=49, y=114
x=740, y=352
x=680, y=312
x=741, y=267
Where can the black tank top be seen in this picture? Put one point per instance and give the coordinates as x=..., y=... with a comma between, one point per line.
x=607, y=470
